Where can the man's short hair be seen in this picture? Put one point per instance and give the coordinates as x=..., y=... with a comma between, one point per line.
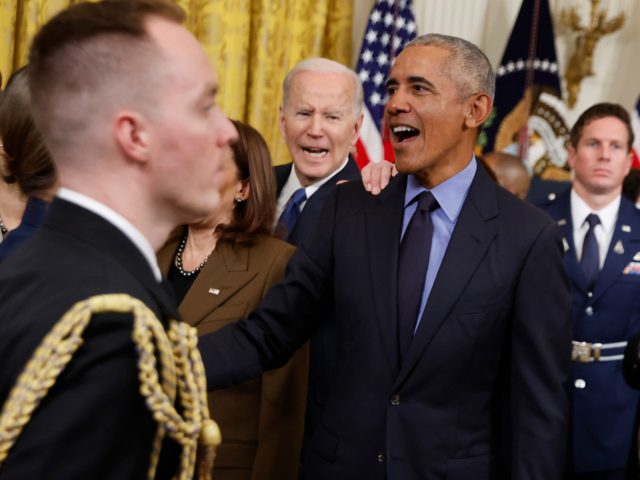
x=92, y=48
x=319, y=64
x=468, y=66
x=596, y=112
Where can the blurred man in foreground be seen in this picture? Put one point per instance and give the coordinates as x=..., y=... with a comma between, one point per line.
x=124, y=98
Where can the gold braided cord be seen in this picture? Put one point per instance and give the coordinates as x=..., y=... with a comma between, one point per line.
x=182, y=376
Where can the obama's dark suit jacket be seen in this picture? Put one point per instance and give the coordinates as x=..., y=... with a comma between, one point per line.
x=481, y=393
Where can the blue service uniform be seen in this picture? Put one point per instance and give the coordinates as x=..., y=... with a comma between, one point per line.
x=604, y=318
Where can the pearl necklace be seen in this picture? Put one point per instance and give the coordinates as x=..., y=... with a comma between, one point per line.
x=3, y=229
x=183, y=272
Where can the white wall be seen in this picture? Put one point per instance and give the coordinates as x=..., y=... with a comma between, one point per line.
x=488, y=24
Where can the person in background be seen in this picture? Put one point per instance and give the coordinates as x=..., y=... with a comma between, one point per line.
x=12, y=202
x=631, y=186
x=26, y=160
x=320, y=120
x=220, y=268
x=600, y=229
x=510, y=172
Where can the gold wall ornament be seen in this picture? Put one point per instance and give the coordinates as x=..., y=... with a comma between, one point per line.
x=581, y=62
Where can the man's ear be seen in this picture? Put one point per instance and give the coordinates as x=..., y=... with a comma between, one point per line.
x=478, y=109
x=356, y=131
x=132, y=136
x=571, y=156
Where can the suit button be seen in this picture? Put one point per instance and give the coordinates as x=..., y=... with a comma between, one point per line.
x=589, y=294
x=580, y=383
x=381, y=457
x=588, y=311
x=395, y=400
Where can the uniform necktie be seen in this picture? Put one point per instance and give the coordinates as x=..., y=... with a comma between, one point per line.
x=590, y=260
x=291, y=211
x=412, y=267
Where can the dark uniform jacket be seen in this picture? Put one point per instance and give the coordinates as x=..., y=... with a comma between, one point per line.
x=93, y=423
x=603, y=406
x=481, y=391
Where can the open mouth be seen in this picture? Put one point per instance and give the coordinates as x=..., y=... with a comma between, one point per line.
x=403, y=132
x=315, y=152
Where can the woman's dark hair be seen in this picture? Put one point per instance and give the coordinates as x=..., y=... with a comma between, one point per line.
x=27, y=159
x=255, y=215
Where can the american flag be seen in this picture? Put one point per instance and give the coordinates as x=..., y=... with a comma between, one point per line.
x=390, y=27
x=635, y=123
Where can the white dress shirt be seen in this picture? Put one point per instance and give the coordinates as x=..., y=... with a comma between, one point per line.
x=293, y=183
x=603, y=231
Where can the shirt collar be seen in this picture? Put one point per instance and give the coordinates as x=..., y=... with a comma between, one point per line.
x=293, y=183
x=580, y=210
x=448, y=192
x=118, y=221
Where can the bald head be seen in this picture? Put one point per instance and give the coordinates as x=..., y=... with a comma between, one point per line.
x=510, y=172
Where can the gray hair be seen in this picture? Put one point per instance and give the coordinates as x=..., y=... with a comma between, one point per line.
x=469, y=66
x=319, y=64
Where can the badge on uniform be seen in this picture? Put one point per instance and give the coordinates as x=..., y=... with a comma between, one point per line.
x=636, y=257
x=632, y=269
x=619, y=249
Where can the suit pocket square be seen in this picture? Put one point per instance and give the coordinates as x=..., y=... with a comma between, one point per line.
x=633, y=268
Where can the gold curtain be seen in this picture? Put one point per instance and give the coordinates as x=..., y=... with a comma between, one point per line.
x=251, y=43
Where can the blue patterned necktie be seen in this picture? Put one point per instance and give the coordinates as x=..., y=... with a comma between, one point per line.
x=412, y=267
x=590, y=260
x=291, y=211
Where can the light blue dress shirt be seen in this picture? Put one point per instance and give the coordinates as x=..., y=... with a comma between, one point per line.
x=450, y=195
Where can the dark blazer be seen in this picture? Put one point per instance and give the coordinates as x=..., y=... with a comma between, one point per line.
x=481, y=392
x=604, y=406
x=308, y=220
x=34, y=214
x=324, y=344
x=93, y=423
x=262, y=419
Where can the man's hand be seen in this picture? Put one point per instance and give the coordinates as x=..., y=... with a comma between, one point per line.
x=376, y=176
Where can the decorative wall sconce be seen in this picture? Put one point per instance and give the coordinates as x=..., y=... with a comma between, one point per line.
x=581, y=62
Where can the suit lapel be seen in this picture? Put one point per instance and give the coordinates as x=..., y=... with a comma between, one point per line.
x=383, y=224
x=475, y=229
x=562, y=214
x=623, y=247
x=226, y=272
x=308, y=219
